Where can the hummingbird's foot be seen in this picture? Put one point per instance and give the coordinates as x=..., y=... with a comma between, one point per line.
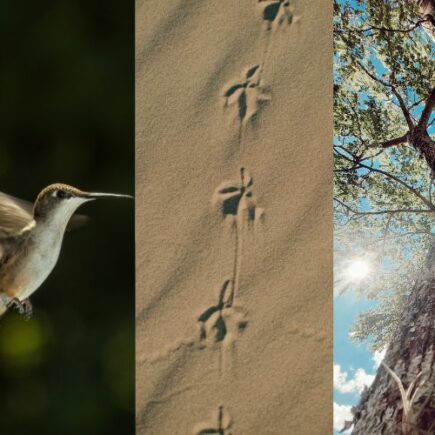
x=16, y=303
x=28, y=308
x=24, y=307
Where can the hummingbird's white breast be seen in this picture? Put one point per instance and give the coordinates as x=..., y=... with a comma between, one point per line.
x=44, y=248
x=40, y=260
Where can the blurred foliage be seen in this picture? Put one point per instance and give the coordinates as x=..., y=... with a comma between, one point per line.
x=67, y=115
x=384, y=197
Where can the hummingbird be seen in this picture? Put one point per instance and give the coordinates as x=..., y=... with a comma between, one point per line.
x=31, y=237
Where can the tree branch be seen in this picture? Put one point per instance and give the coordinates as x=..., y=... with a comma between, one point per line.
x=402, y=104
x=427, y=111
x=395, y=141
x=385, y=29
x=380, y=212
x=397, y=236
x=384, y=243
x=427, y=202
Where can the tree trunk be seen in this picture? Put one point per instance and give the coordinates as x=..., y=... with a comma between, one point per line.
x=411, y=357
x=426, y=9
x=422, y=142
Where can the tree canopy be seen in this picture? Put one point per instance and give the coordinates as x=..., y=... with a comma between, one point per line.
x=384, y=152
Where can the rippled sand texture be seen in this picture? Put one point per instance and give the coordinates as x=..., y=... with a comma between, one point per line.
x=234, y=222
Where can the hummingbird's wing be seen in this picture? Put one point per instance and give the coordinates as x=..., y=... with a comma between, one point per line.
x=17, y=213
x=14, y=215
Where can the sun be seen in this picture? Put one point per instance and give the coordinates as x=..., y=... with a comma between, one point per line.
x=357, y=270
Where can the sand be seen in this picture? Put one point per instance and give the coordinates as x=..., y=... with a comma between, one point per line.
x=234, y=285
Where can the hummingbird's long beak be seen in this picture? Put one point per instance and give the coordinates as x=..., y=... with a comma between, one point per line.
x=96, y=195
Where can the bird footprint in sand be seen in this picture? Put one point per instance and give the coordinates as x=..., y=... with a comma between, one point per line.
x=221, y=427
x=236, y=199
x=237, y=204
x=248, y=94
x=218, y=320
x=276, y=12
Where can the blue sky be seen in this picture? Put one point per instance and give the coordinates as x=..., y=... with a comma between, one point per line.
x=349, y=356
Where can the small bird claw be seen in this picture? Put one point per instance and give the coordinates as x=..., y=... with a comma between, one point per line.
x=28, y=309
x=24, y=307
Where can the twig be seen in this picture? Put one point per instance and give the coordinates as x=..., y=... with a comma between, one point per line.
x=394, y=91
x=367, y=213
x=427, y=202
x=385, y=29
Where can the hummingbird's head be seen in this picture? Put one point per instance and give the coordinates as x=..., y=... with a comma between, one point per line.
x=58, y=202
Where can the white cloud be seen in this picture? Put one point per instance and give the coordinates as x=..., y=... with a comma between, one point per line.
x=355, y=384
x=342, y=413
x=378, y=356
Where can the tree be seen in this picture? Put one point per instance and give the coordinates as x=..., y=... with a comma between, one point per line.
x=426, y=11
x=384, y=152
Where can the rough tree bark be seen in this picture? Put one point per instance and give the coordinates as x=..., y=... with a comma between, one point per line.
x=427, y=12
x=411, y=355
x=417, y=135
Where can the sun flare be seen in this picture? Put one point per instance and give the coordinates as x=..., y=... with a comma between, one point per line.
x=358, y=270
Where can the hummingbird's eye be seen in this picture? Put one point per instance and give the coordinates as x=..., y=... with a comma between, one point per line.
x=61, y=194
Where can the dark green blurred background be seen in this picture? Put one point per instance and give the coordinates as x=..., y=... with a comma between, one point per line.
x=67, y=115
